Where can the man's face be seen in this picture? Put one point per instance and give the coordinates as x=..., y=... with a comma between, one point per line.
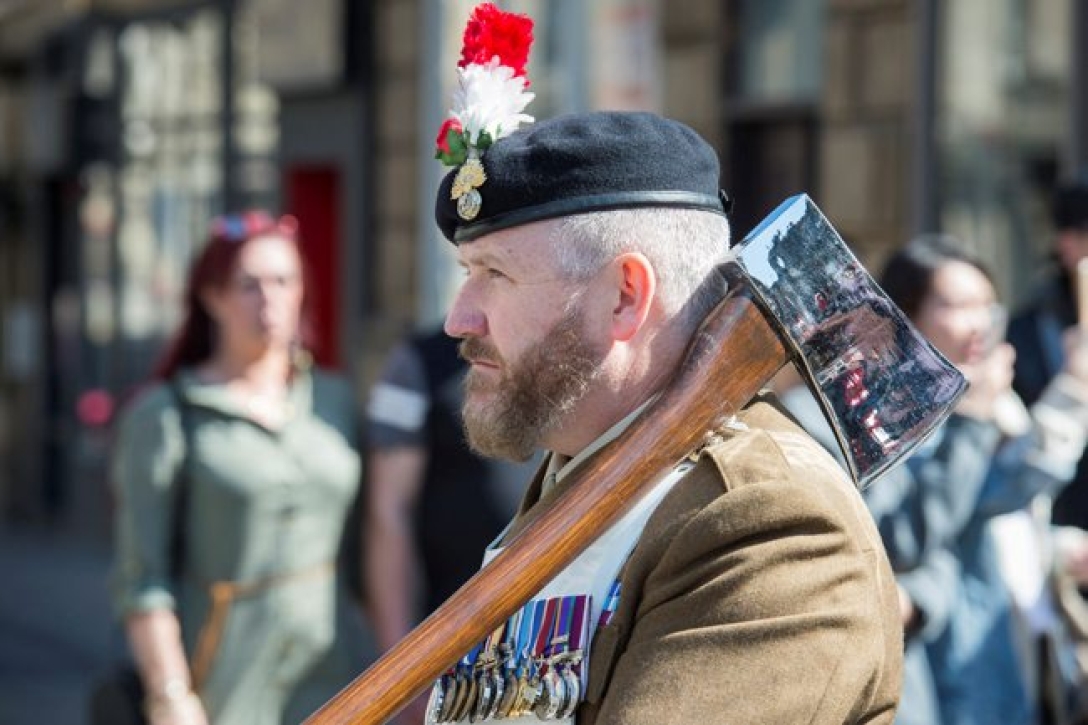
x=507, y=416
x=527, y=338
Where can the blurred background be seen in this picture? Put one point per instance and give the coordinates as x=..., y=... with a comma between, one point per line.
x=126, y=124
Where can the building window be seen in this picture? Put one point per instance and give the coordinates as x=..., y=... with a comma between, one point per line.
x=1002, y=122
x=780, y=50
x=774, y=78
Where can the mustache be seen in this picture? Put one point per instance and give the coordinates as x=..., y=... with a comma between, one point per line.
x=473, y=348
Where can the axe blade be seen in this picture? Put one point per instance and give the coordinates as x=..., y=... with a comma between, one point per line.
x=882, y=386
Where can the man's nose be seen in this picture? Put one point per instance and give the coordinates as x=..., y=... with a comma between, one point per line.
x=465, y=319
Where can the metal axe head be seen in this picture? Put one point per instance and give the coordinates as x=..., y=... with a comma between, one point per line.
x=882, y=386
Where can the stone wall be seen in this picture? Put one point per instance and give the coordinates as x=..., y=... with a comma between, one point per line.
x=395, y=168
x=692, y=56
x=864, y=137
x=865, y=143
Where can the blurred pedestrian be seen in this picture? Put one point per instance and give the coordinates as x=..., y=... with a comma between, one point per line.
x=434, y=505
x=937, y=511
x=1037, y=330
x=234, y=471
x=1040, y=332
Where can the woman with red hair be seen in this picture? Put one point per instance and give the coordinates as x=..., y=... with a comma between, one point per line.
x=235, y=472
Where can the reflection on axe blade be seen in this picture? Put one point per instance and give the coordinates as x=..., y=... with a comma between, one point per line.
x=882, y=386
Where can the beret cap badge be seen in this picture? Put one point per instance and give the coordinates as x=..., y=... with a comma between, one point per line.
x=466, y=183
x=488, y=101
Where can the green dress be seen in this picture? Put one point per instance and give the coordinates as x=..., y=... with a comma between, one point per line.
x=263, y=510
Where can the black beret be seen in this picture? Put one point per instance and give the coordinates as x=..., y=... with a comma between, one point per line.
x=1071, y=205
x=586, y=162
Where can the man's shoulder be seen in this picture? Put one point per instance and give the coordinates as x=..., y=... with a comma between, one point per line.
x=765, y=469
x=752, y=535
x=762, y=443
x=425, y=362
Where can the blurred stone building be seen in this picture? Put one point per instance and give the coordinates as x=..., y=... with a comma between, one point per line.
x=126, y=124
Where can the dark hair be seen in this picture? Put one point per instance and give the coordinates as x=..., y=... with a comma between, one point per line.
x=1071, y=204
x=908, y=274
x=194, y=341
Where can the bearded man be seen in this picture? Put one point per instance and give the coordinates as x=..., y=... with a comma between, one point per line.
x=750, y=585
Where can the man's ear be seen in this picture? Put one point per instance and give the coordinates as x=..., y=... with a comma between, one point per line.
x=636, y=285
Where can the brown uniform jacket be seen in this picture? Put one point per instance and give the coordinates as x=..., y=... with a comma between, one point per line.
x=759, y=592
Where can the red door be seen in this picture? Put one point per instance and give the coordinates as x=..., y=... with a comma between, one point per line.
x=312, y=195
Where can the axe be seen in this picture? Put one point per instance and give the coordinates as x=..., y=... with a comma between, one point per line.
x=795, y=293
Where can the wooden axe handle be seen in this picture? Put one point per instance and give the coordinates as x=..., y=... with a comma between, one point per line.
x=732, y=355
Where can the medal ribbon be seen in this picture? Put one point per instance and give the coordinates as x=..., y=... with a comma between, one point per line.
x=531, y=615
x=578, y=630
x=561, y=638
x=611, y=602
x=470, y=657
x=578, y=635
x=545, y=632
x=491, y=643
x=537, y=664
x=510, y=638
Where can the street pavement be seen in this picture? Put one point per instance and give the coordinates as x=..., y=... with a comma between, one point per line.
x=56, y=631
